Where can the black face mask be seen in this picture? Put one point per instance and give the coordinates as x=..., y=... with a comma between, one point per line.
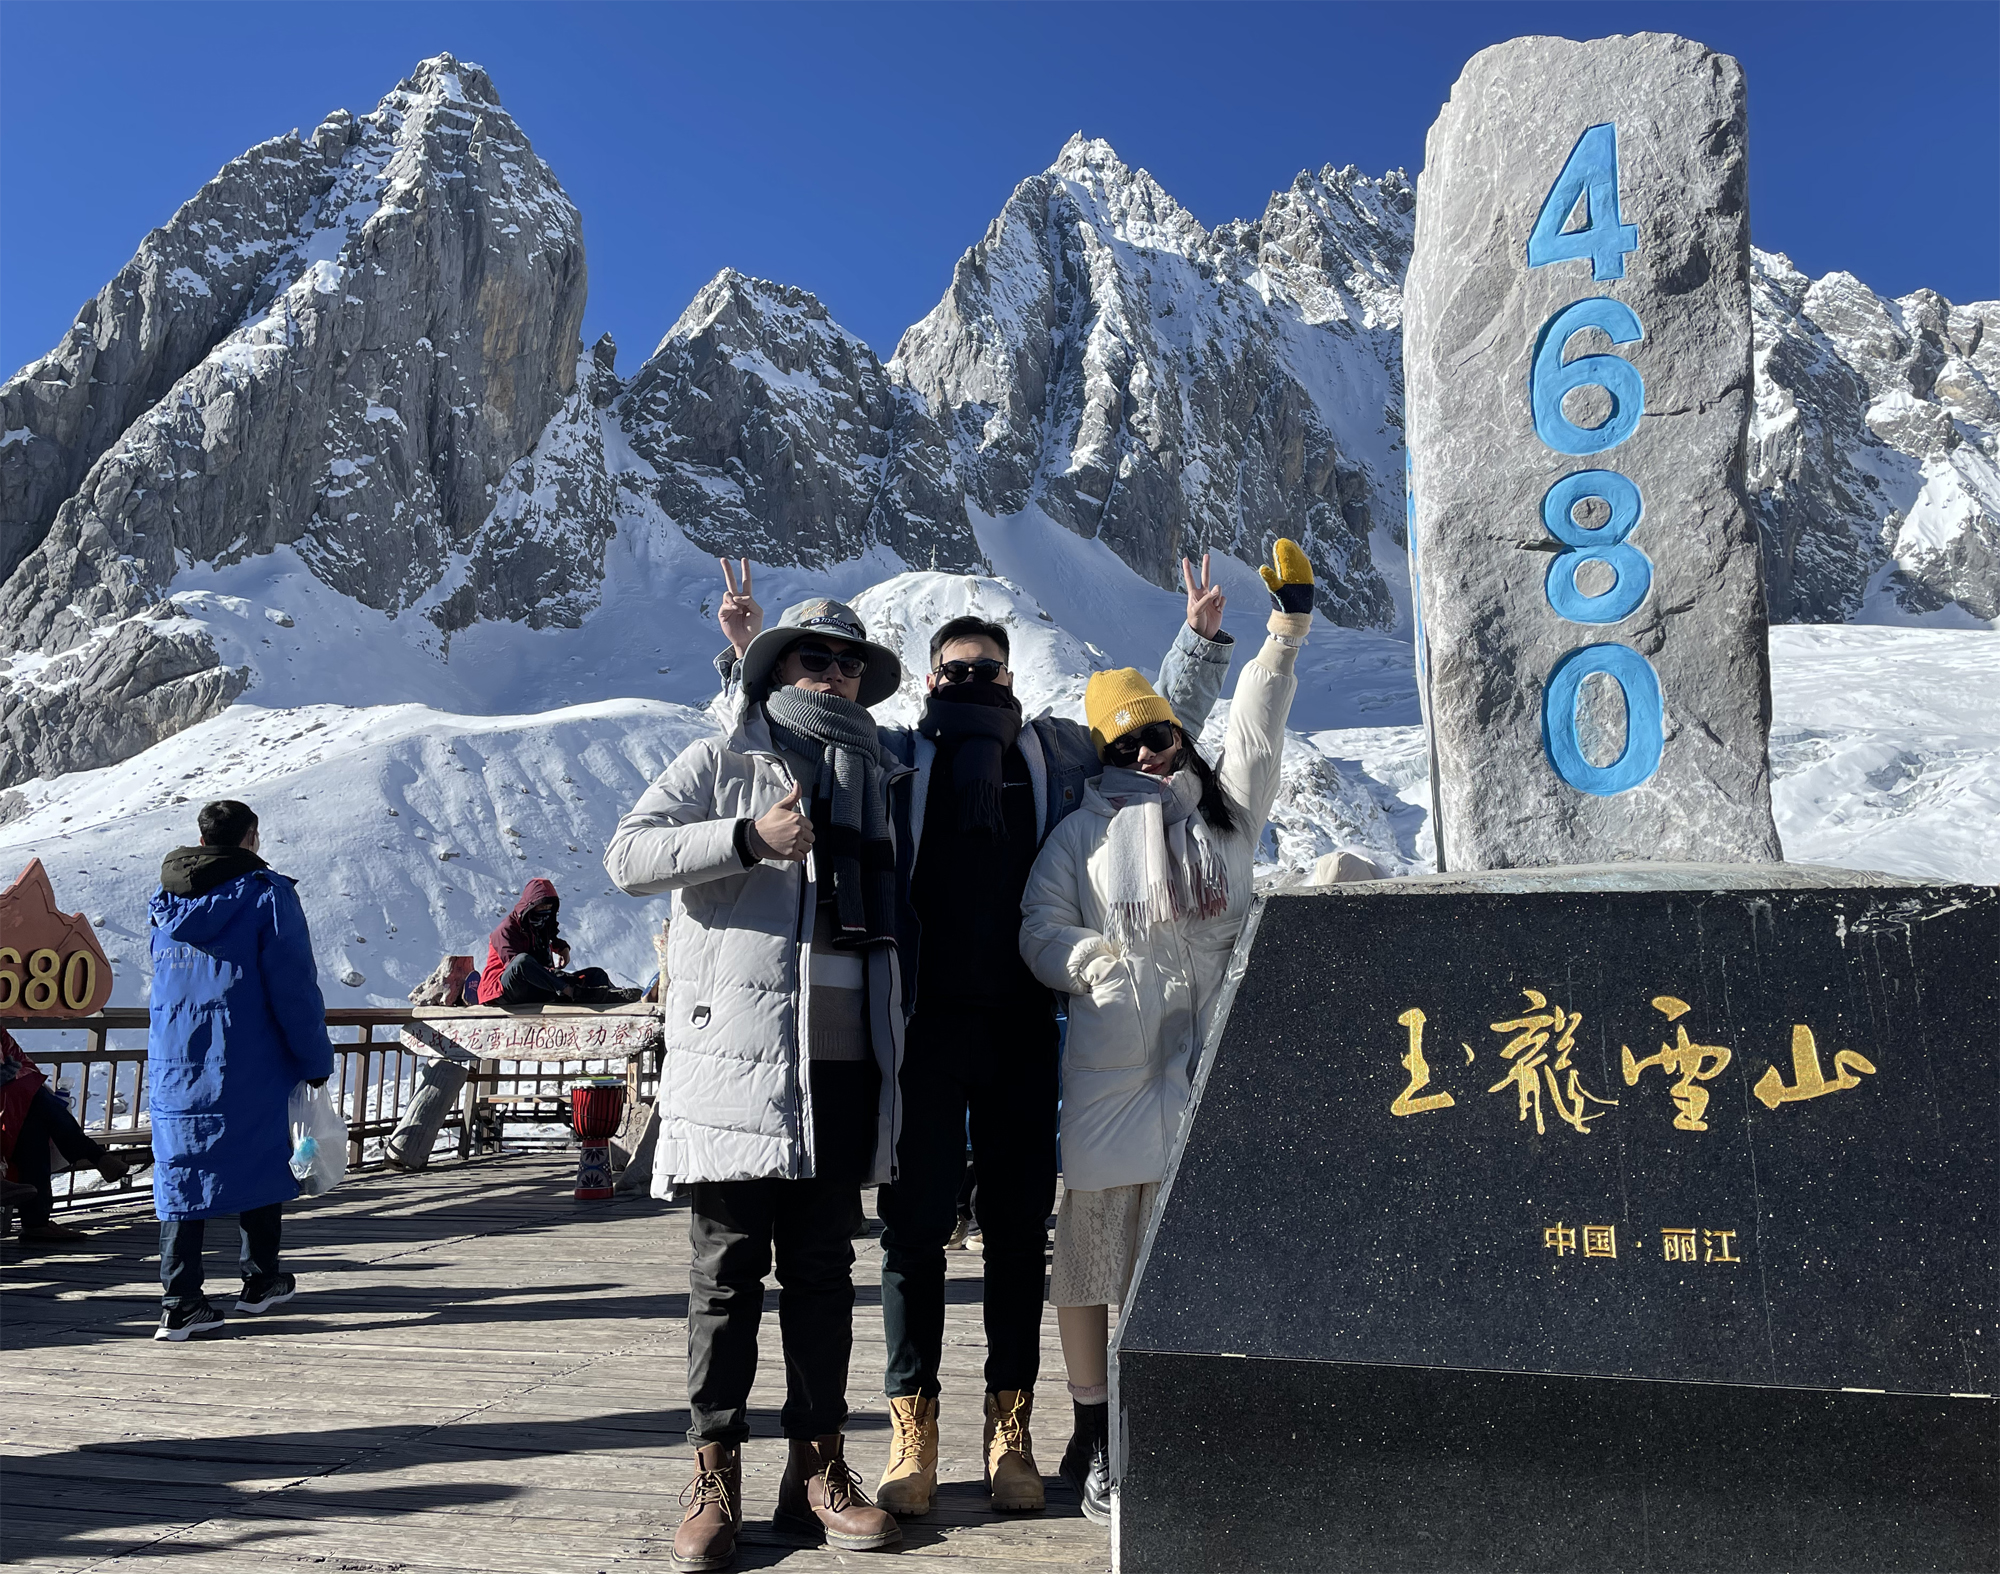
x=541, y=922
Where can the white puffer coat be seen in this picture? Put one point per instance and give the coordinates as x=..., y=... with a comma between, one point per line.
x=1137, y=1016
x=735, y=1087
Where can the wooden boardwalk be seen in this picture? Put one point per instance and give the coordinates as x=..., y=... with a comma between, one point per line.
x=479, y=1373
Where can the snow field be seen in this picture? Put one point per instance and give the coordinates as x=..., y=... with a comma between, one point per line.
x=412, y=814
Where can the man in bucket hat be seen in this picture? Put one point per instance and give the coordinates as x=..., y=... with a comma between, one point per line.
x=987, y=785
x=784, y=1035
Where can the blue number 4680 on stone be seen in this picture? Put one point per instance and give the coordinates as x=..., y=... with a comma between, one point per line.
x=1590, y=172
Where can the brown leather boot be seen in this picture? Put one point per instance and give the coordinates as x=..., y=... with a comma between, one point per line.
x=820, y=1497
x=706, y=1539
x=909, y=1485
x=1011, y=1475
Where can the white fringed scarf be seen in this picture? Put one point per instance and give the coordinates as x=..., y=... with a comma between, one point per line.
x=1164, y=864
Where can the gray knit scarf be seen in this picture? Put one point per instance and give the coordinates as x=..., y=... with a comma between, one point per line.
x=850, y=805
x=1163, y=864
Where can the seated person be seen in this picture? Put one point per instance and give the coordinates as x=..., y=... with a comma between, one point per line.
x=31, y=1117
x=527, y=961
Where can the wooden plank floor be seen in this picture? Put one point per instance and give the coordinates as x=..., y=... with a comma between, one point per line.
x=479, y=1373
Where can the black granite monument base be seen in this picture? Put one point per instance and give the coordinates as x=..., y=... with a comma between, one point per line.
x=1323, y=1466
x=1581, y=1219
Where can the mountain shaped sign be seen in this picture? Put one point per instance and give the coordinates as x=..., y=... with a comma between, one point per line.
x=51, y=964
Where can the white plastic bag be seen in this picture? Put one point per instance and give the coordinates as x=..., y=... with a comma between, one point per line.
x=319, y=1140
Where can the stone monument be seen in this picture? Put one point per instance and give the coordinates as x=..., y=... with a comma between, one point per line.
x=1576, y=353
x=1624, y=1198
x=1614, y=1218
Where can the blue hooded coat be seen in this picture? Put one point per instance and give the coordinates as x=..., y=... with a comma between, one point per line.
x=237, y=1022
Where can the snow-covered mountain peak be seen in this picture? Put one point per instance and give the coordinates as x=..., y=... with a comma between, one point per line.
x=343, y=346
x=786, y=324
x=1104, y=360
x=1340, y=241
x=444, y=78
x=753, y=379
x=1127, y=204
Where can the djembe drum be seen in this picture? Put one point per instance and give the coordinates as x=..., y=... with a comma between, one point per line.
x=596, y=1107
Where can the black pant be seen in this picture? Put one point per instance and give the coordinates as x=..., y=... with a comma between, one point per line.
x=48, y=1120
x=733, y=1226
x=527, y=980
x=1002, y=1067
x=180, y=1252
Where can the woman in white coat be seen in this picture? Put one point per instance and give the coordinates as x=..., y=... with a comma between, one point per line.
x=1133, y=909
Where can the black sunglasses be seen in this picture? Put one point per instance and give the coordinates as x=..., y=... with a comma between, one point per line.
x=1159, y=737
x=817, y=658
x=984, y=670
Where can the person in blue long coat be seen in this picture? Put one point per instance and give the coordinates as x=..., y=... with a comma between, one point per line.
x=237, y=1022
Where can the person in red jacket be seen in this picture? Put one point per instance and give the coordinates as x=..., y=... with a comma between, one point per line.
x=527, y=959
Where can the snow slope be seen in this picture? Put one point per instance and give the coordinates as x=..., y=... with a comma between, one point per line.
x=411, y=825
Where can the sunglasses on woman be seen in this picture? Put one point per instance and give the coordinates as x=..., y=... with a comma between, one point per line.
x=1159, y=737
x=984, y=670
x=817, y=658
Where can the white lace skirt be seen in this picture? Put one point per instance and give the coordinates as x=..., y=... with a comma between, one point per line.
x=1097, y=1244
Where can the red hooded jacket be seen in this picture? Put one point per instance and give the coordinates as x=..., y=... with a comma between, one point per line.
x=513, y=937
x=20, y=1080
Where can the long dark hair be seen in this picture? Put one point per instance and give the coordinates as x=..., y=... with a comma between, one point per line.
x=1214, y=807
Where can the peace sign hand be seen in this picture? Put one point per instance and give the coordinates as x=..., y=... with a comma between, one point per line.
x=1205, y=601
x=740, y=616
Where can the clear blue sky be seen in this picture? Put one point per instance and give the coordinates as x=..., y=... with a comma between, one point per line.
x=856, y=150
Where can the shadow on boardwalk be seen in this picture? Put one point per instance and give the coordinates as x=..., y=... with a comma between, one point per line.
x=479, y=1373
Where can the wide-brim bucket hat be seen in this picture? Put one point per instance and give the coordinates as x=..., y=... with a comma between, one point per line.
x=833, y=620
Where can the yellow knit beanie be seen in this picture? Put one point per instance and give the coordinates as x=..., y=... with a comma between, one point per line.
x=1119, y=702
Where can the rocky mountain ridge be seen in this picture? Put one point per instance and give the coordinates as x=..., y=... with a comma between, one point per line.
x=1103, y=357
x=362, y=346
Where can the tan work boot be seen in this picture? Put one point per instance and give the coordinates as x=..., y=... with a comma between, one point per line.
x=1011, y=1475
x=714, y=1499
x=909, y=1485
x=820, y=1497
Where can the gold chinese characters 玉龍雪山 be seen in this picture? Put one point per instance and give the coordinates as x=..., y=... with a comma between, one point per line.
x=1539, y=1054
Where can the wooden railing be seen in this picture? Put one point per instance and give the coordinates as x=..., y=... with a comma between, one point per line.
x=373, y=1079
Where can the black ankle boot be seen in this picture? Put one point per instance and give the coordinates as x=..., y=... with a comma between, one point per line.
x=1086, y=1463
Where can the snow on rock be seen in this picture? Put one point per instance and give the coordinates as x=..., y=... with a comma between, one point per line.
x=1875, y=451
x=754, y=376
x=1104, y=360
x=412, y=331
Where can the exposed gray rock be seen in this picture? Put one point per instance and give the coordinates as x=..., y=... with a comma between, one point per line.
x=774, y=433
x=1477, y=314
x=1875, y=447
x=191, y=281
x=411, y=342
x=131, y=684
x=1102, y=356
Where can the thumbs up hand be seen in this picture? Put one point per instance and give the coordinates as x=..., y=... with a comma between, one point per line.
x=787, y=833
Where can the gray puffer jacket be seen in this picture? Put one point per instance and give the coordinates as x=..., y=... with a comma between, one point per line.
x=735, y=1089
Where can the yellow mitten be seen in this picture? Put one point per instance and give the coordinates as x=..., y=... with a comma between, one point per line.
x=1291, y=582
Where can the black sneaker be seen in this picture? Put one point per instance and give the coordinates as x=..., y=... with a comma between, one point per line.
x=188, y=1322
x=263, y=1294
